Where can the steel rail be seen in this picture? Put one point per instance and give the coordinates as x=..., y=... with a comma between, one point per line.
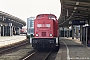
x=48, y=55
x=29, y=55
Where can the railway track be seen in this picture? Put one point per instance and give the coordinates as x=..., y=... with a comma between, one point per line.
x=17, y=52
x=37, y=56
x=41, y=55
x=27, y=57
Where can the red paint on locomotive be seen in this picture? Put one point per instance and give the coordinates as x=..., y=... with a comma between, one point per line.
x=45, y=31
x=45, y=26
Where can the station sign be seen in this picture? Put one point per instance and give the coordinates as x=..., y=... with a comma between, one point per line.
x=78, y=22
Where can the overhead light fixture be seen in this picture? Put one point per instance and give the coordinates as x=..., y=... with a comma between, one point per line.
x=75, y=7
x=77, y=3
x=67, y=12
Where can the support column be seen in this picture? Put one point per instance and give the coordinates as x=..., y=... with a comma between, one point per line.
x=86, y=36
x=72, y=32
x=18, y=31
x=67, y=32
x=81, y=33
x=5, y=31
x=10, y=29
x=63, y=32
x=2, y=30
x=77, y=32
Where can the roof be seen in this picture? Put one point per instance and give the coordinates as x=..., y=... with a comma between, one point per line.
x=74, y=10
x=13, y=19
x=46, y=15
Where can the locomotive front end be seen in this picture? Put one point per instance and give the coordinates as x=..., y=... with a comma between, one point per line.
x=45, y=32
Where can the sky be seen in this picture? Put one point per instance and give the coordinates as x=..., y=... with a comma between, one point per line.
x=24, y=9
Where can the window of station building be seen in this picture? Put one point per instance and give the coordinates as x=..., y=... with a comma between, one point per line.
x=33, y=25
x=32, y=21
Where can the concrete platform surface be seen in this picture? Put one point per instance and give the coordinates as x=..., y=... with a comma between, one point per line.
x=72, y=49
x=7, y=40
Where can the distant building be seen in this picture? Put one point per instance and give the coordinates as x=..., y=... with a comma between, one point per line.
x=30, y=25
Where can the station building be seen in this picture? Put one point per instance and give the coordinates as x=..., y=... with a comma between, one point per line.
x=10, y=25
x=30, y=25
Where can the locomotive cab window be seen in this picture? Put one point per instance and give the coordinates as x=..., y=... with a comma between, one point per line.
x=43, y=25
x=39, y=16
x=51, y=17
x=39, y=25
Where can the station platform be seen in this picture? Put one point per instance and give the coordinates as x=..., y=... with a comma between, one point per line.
x=8, y=40
x=72, y=49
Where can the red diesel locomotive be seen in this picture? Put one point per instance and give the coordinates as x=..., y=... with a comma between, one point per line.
x=45, y=31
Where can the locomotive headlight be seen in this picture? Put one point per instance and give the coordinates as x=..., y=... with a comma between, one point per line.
x=36, y=34
x=50, y=34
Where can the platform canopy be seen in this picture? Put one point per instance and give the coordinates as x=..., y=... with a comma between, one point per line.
x=7, y=18
x=74, y=10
